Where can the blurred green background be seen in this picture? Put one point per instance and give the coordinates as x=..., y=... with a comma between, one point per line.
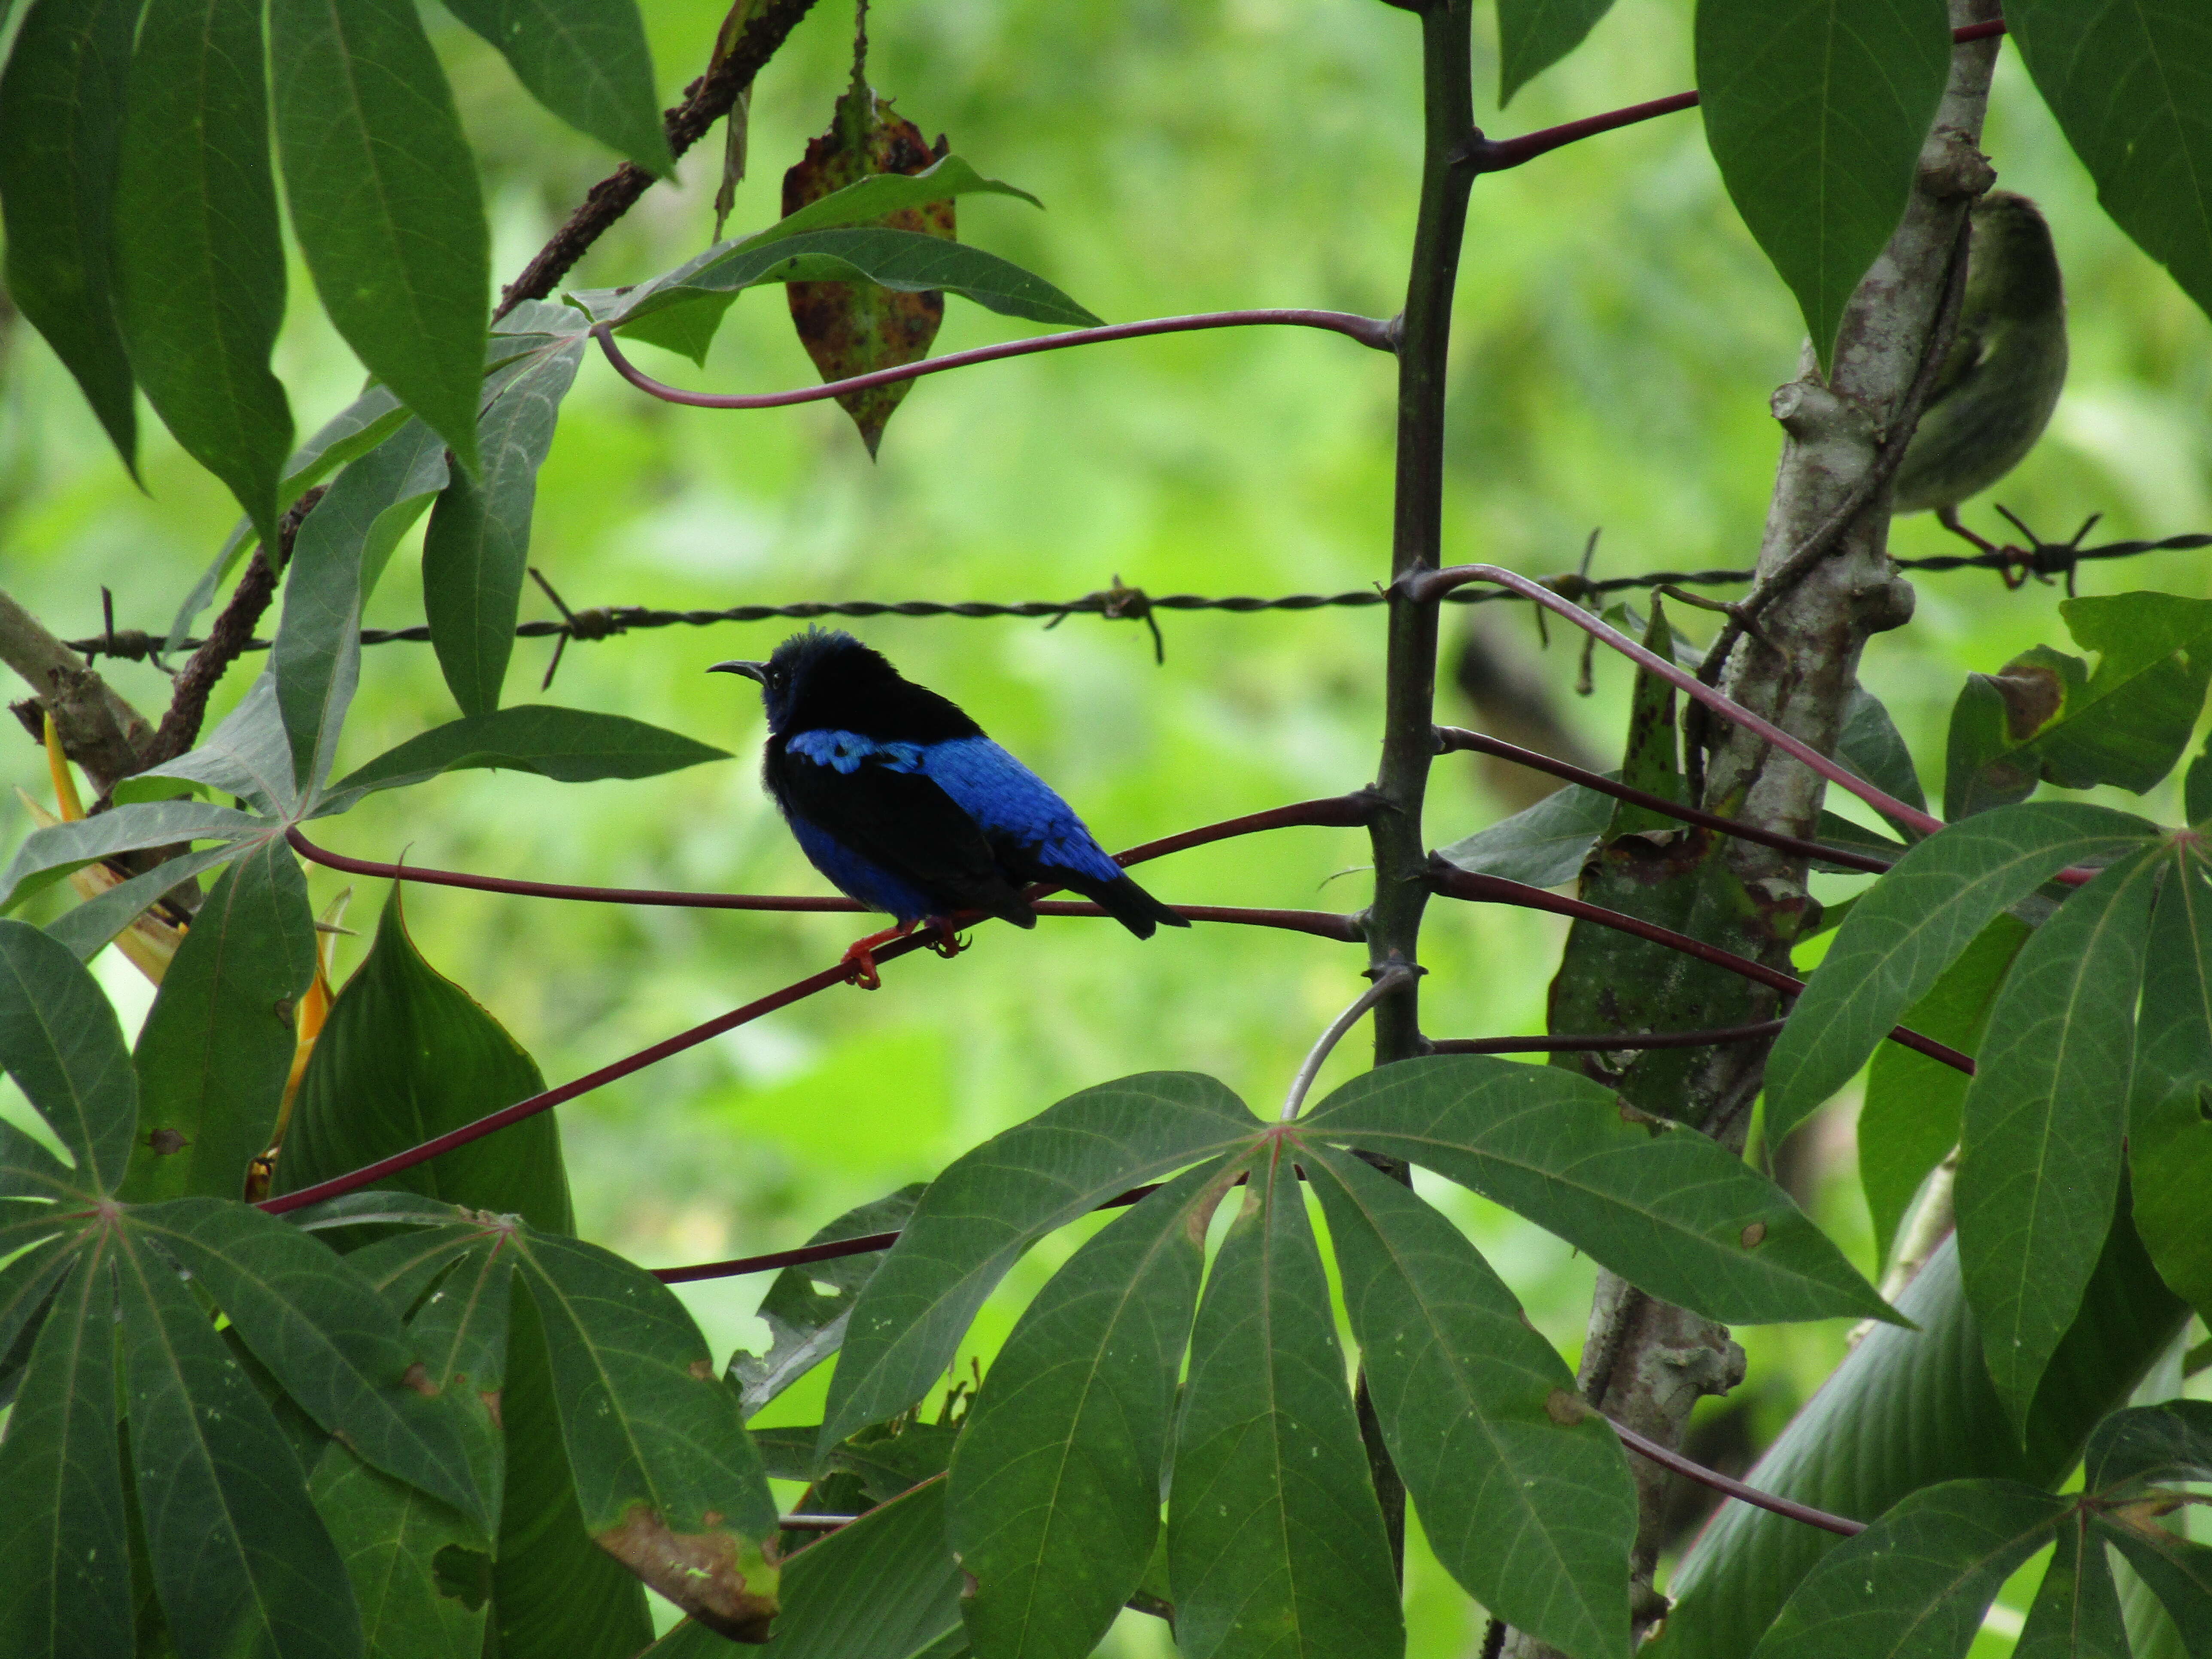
x=1616, y=338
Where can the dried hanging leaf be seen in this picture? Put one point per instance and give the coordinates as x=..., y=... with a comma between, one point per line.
x=737, y=124
x=853, y=328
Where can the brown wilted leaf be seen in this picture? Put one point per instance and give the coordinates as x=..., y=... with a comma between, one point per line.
x=854, y=328
x=699, y=1571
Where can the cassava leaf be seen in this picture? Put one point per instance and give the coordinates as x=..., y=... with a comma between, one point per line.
x=60, y=1040
x=585, y=60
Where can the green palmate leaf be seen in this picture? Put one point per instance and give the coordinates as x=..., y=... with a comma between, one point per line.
x=1667, y=1209
x=1526, y=1499
x=806, y=1308
x=986, y=1209
x=1935, y=1563
x=1275, y=1540
x=2131, y=86
x=1815, y=110
x=200, y=256
x=1055, y=1494
x=421, y=1574
x=61, y=102
x=906, y=260
x=587, y=61
x=47, y=854
x=325, y=1336
x=338, y=554
x=2076, y=1613
x=2039, y=1144
x=218, y=1043
x=665, y=1479
x=1909, y=1121
x=2162, y=1444
x=64, y=1558
x=573, y=745
x=1909, y=1409
x=2047, y=717
x=1535, y=34
x=406, y=1054
x=555, y=1595
x=27, y=1285
x=92, y=923
x=242, y=1562
x=247, y=755
x=2178, y=1572
x=60, y=1040
x=2196, y=787
x=1913, y=924
x=1545, y=845
x=884, y=1588
x=478, y=543
x=2170, y=1127
x=384, y=198
x=354, y=430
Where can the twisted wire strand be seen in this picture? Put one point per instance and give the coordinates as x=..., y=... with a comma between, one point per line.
x=2047, y=560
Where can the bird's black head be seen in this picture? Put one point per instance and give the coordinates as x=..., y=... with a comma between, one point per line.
x=823, y=676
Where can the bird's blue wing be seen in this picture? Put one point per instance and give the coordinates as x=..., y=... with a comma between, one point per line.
x=1026, y=823
x=869, y=817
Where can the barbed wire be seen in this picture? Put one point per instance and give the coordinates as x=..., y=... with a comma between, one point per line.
x=2045, y=560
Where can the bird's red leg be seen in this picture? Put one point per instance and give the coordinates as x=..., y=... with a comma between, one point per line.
x=860, y=956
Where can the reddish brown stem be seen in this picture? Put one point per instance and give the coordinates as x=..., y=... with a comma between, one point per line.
x=1482, y=154
x=1455, y=883
x=1367, y=331
x=1451, y=738
x=1735, y=1488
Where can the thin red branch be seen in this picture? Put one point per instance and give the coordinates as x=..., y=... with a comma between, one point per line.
x=1482, y=154
x=1320, y=923
x=1435, y=583
x=1452, y=738
x=1367, y=331
x=1455, y=883
x=1765, y=1500
x=1607, y=1042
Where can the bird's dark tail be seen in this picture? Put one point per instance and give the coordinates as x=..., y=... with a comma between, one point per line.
x=1128, y=905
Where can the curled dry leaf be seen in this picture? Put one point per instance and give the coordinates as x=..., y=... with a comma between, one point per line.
x=702, y=1572
x=853, y=328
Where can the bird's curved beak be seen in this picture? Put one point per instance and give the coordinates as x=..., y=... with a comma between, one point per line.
x=751, y=670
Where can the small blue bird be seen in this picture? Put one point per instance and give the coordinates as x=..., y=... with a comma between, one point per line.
x=898, y=797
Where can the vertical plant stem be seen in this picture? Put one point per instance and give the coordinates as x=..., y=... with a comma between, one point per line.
x=1409, y=744
x=1646, y=1363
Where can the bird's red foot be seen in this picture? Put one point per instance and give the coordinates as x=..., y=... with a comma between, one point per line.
x=860, y=956
x=948, y=943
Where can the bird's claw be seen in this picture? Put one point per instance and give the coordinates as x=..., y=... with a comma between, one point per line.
x=861, y=970
x=947, y=943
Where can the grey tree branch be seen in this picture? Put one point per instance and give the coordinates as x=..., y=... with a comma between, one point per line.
x=1645, y=1363
x=98, y=730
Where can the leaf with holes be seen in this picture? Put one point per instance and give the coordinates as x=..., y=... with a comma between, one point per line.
x=420, y=1572
x=806, y=1307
